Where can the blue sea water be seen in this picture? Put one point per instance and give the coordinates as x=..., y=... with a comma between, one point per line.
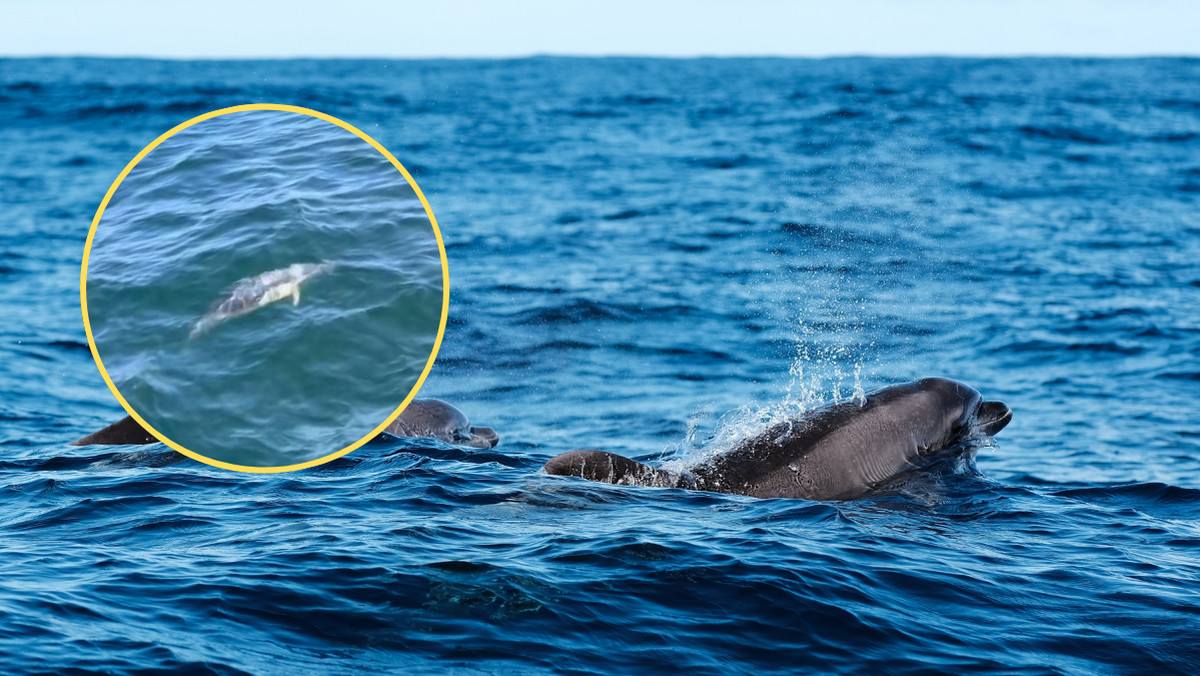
x=235, y=197
x=653, y=257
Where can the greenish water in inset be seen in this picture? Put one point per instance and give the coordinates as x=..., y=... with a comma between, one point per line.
x=233, y=197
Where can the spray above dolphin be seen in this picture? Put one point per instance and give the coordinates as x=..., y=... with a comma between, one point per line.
x=838, y=452
x=256, y=292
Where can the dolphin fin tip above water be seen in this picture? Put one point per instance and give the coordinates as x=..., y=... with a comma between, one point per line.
x=125, y=431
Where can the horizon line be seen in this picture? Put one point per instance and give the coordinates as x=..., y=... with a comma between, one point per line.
x=631, y=55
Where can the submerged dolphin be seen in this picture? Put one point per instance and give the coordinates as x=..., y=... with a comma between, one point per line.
x=259, y=291
x=835, y=453
x=421, y=418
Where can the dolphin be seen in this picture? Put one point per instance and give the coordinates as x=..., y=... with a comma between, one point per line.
x=838, y=452
x=252, y=293
x=421, y=418
x=436, y=419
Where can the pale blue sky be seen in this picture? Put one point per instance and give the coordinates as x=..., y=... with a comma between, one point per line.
x=461, y=28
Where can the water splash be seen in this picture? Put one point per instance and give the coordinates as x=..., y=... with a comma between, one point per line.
x=818, y=376
x=672, y=454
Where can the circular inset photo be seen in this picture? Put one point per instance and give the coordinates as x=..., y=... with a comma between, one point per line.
x=264, y=288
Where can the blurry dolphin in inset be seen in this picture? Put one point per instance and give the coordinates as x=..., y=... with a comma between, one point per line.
x=421, y=418
x=259, y=291
x=835, y=453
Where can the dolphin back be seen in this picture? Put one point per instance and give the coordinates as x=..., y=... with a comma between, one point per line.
x=843, y=451
x=609, y=468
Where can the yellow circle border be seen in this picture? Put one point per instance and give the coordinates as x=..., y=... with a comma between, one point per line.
x=87, y=250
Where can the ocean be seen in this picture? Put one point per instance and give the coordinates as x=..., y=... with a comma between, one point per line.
x=653, y=257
